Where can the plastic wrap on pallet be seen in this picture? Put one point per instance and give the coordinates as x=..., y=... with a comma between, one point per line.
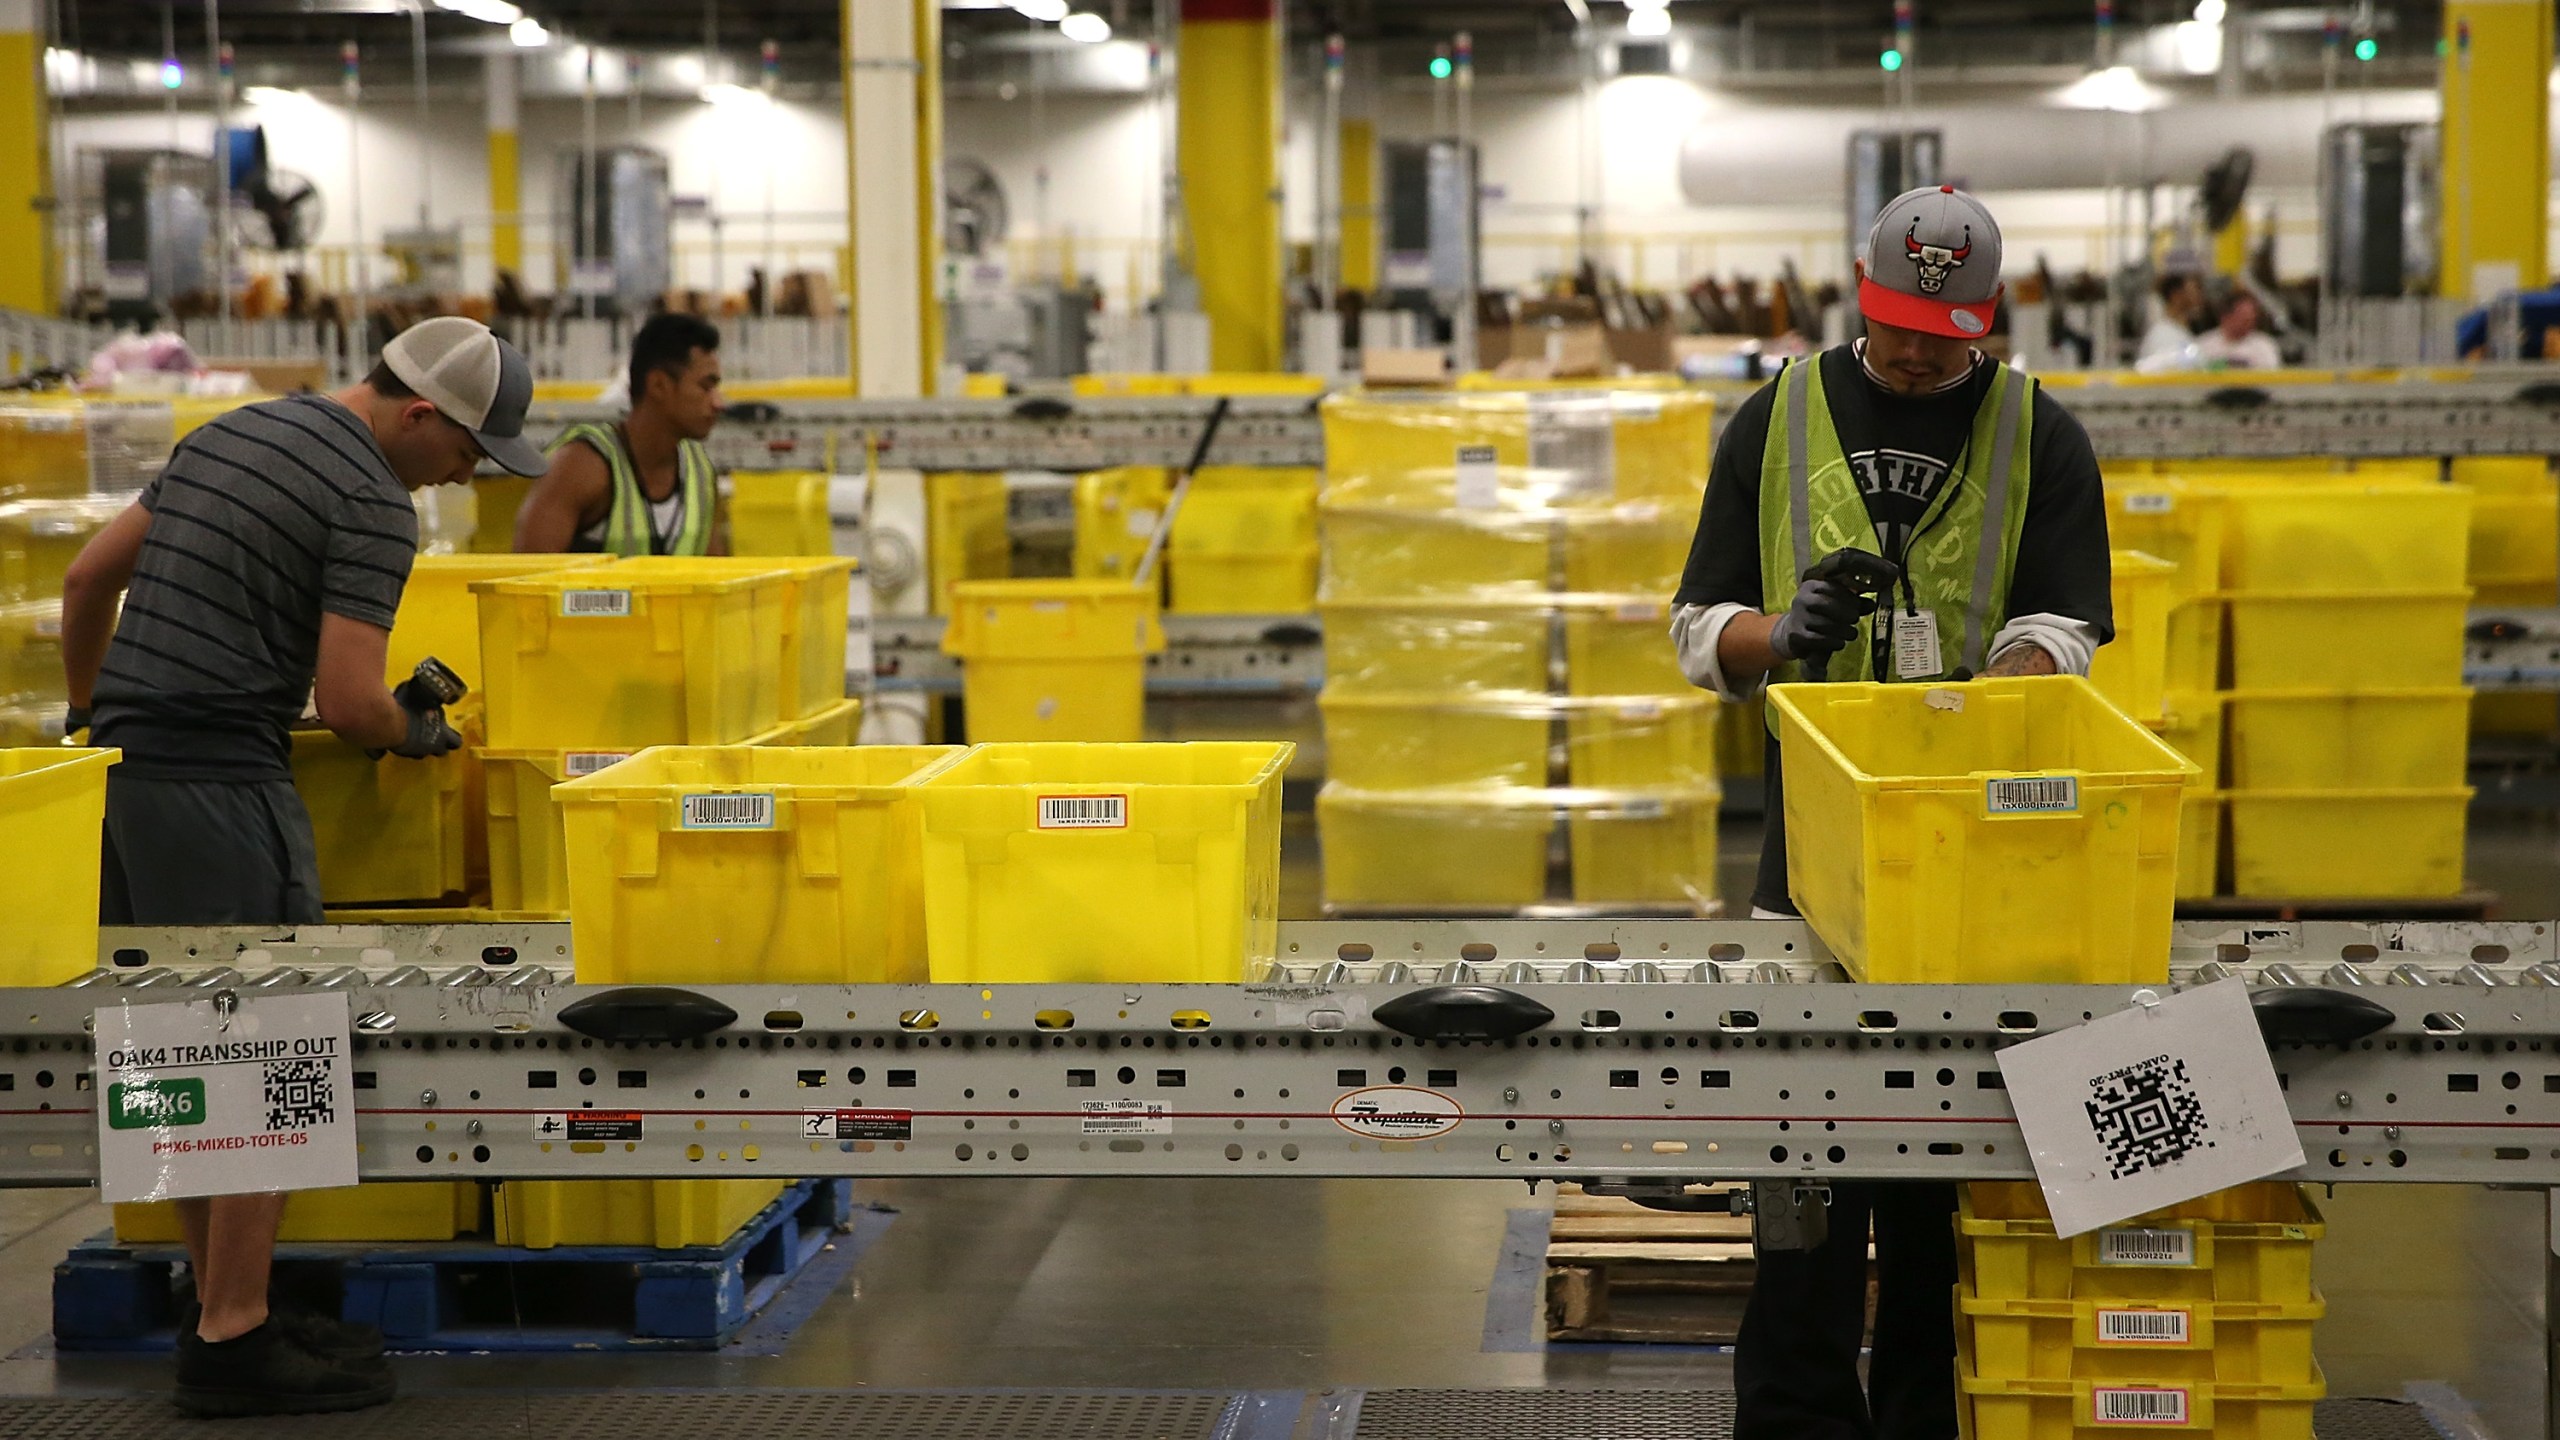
x=40, y=538
x=1491, y=851
x=1518, y=743
x=1513, y=451
x=31, y=652
x=1557, y=642
x=44, y=447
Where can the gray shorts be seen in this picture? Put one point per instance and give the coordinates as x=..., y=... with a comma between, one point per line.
x=198, y=852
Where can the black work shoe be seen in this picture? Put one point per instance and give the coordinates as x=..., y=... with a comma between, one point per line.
x=326, y=1336
x=268, y=1372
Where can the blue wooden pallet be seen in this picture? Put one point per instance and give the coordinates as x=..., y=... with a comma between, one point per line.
x=475, y=1296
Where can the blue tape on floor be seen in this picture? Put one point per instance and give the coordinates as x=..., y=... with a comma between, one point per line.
x=1260, y=1415
x=770, y=1331
x=1512, y=1324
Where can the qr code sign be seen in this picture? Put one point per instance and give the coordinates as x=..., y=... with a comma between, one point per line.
x=2147, y=1116
x=300, y=1094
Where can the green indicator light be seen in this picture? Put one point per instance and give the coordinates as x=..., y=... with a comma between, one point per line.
x=1890, y=60
x=2366, y=48
x=1439, y=67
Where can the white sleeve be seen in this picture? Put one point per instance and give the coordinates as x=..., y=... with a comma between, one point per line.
x=2070, y=642
x=1697, y=630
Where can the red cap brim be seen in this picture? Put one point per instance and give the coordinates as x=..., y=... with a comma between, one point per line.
x=1930, y=317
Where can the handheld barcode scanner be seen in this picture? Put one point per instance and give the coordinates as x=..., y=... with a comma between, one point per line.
x=1864, y=574
x=431, y=686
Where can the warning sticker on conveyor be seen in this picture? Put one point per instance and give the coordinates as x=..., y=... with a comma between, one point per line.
x=858, y=1125
x=1127, y=1117
x=581, y=1126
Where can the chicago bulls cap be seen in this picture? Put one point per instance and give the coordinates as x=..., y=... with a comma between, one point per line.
x=1932, y=263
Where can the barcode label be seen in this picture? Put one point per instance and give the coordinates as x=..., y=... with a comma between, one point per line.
x=2146, y=1247
x=1635, y=611
x=579, y=763
x=2142, y=1327
x=1084, y=812
x=2043, y=796
x=49, y=627
x=595, y=602
x=1127, y=1117
x=728, y=812
x=55, y=529
x=2138, y=1407
x=2150, y=502
x=1479, y=478
x=1640, y=710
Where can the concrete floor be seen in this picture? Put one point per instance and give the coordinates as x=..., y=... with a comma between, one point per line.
x=1272, y=1284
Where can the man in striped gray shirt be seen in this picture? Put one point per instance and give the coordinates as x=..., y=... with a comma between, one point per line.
x=260, y=570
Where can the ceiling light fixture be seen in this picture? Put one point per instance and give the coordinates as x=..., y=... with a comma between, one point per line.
x=528, y=34
x=1047, y=12
x=723, y=93
x=1648, y=24
x=1085, y=28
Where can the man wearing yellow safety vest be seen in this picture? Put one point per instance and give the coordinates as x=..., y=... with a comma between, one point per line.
x=1984, y=495
x=642, y=486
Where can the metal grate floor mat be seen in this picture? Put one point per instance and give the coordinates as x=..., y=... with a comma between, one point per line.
x=793, y=1415
x=993, y=1415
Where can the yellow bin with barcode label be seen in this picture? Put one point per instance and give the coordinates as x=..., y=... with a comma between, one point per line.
x=1103, y=863
x=1053, y=660
x=2250, y=1244
x=2059, y=1409
x=748, y=865
x=654, y=650
x=2091, y=1338
x=2014, y=830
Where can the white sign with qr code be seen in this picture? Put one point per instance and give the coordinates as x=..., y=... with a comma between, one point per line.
x=592, y=604
x=728, y=812
x=2158, y=1103
x=2031, y=795
x=224, y=1096
x=2143, y=1405
x=1084, y=812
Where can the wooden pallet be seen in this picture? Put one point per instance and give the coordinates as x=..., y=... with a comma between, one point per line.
x=1619, y=1273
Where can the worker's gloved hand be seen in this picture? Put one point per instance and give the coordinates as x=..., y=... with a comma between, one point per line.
x=1823, y=618
x=428, y=736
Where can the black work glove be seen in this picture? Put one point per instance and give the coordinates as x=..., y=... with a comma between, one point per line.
x=428, y=736
x=1822, y=620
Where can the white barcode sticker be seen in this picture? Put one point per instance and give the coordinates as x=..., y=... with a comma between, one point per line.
x=1084, y=812
x=1636, y=611
x=2143, y=1327
x=2150, y=502
x=578, y=764
x=1640, y=710
x=728, y=812
x=2146, y=1247
x=1479, y=482
x=1127, y=1117
x=2032, y=795
x=55, y=529
x=2138, y=1407
x=49, y=626
x=591, y=603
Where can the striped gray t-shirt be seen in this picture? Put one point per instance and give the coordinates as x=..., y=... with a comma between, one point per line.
x=261, y=521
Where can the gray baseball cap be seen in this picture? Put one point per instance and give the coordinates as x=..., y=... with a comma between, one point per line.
x=475, y=380
x=1932, y=263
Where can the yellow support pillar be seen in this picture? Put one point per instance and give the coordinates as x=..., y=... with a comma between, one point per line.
x=2231, y=246
x=506, y=171
x=2497, y=147
x=1227, y=83
x=1359, y=205
x=928, y=25
x=26, y=168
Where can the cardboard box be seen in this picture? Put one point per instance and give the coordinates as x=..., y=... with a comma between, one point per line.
x=1568, y=351
x=276, y=377
x=1390, y=365
x=1643, y=350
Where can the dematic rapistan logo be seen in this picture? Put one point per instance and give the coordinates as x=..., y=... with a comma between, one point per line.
x=1397, y=1112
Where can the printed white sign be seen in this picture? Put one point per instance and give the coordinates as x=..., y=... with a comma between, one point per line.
x=201, y=1098
x=1573, y=445
x=2150, y=1106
